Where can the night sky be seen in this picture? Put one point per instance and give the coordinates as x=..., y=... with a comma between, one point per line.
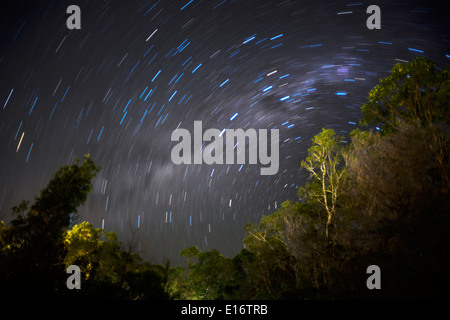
x=138, y=70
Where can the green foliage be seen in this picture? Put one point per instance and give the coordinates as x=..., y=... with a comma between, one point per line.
x=209, y=273
x=96, y=253
x=414, y=91
x=108, y=271
x=324, y=162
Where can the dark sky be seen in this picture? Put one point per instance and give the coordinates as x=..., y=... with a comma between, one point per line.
x=137, y=70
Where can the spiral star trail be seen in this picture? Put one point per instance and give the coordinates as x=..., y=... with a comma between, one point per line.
x=137, y=70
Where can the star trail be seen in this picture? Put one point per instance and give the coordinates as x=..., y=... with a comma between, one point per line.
x=138, y=70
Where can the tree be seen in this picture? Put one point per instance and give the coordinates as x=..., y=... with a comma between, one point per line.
x=147, y=282
x=83, y=241
x=209, y=272
x=325, y=164
x=271, y=268
x=400, y=180
x=414, y=91
x=110, y=272
x=401, y=194
x=32, y=248
x=98, y=255
x=296, y=252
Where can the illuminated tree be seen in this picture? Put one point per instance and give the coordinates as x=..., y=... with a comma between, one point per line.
x=325, y=165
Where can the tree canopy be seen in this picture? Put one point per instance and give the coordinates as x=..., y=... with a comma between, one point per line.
x=415, y=92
